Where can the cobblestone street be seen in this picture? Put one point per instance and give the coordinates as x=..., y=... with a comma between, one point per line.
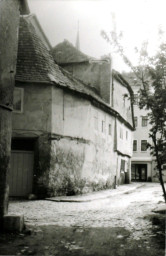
x=119, y=225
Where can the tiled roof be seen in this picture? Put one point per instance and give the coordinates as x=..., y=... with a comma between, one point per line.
x=34, y=62
x=65, y=52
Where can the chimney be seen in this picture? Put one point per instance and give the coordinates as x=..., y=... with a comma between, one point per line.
x=24, y=8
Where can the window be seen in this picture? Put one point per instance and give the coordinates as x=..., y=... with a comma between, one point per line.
x=135, y=99
x=134, y=145
x=143, y=145
x=136, y=121
x=18, y=100
x=144, y=121
x=109, y=129
x=121, y=133
x=122, y=167
x=103, y=126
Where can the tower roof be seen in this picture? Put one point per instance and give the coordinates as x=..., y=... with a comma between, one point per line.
x=65, y=53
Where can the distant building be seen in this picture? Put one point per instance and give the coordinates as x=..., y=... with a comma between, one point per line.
x=143, y=163
x=70, y=135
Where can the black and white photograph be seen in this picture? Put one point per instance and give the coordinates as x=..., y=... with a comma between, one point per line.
x=83, y=127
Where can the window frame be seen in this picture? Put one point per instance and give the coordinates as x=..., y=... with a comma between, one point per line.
x=136, y=146
x=22, y=100
x=142, y=145
x=144, y=119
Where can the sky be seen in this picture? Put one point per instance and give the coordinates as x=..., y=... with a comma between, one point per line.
x=139, y=21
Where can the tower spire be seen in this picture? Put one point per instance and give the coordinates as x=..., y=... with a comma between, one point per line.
x=77, y=38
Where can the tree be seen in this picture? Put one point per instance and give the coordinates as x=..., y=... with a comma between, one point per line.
x=151, y=73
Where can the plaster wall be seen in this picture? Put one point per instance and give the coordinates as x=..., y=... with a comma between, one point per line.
x=124, y=139
x=84, y=157
x=122, y=101
x=70, y=115
x=9, y=22
x=36, y=115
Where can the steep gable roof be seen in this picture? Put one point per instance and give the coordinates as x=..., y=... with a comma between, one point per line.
x=34, y=62
x=65, y=53
x=39, y=30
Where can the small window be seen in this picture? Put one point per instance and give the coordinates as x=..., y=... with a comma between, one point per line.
x=136, y=121
x=18, y=100
x=144, y=121
x=103, y=126
x=135, y=99
x=126, y=135
x=109, y=129
x=143, y=145
x=121, y=133
x=122, y=167
x=134, y=145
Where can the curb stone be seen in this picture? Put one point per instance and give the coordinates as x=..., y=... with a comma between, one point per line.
x=92, y=197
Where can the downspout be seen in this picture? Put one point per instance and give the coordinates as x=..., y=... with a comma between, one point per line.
x=115, y=150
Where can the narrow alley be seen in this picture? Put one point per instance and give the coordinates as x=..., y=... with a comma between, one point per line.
x=121, y=225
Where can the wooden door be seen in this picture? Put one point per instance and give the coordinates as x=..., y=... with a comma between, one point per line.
x=21, y=173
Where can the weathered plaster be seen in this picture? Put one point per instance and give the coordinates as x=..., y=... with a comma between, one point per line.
x=36, y=114
x=122, y=101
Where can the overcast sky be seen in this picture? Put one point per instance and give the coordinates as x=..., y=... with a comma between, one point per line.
x=138, y=19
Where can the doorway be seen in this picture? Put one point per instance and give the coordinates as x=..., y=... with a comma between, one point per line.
x=139, y=172
x=21, y=171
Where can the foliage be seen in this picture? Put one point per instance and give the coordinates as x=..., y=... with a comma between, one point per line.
x=150, y=74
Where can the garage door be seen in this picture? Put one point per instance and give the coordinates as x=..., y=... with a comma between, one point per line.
x=21, y=173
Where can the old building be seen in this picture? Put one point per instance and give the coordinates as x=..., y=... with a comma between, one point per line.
x=69, y=136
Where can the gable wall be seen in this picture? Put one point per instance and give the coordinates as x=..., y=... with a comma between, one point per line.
x=36, y=114
x=94, y=74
